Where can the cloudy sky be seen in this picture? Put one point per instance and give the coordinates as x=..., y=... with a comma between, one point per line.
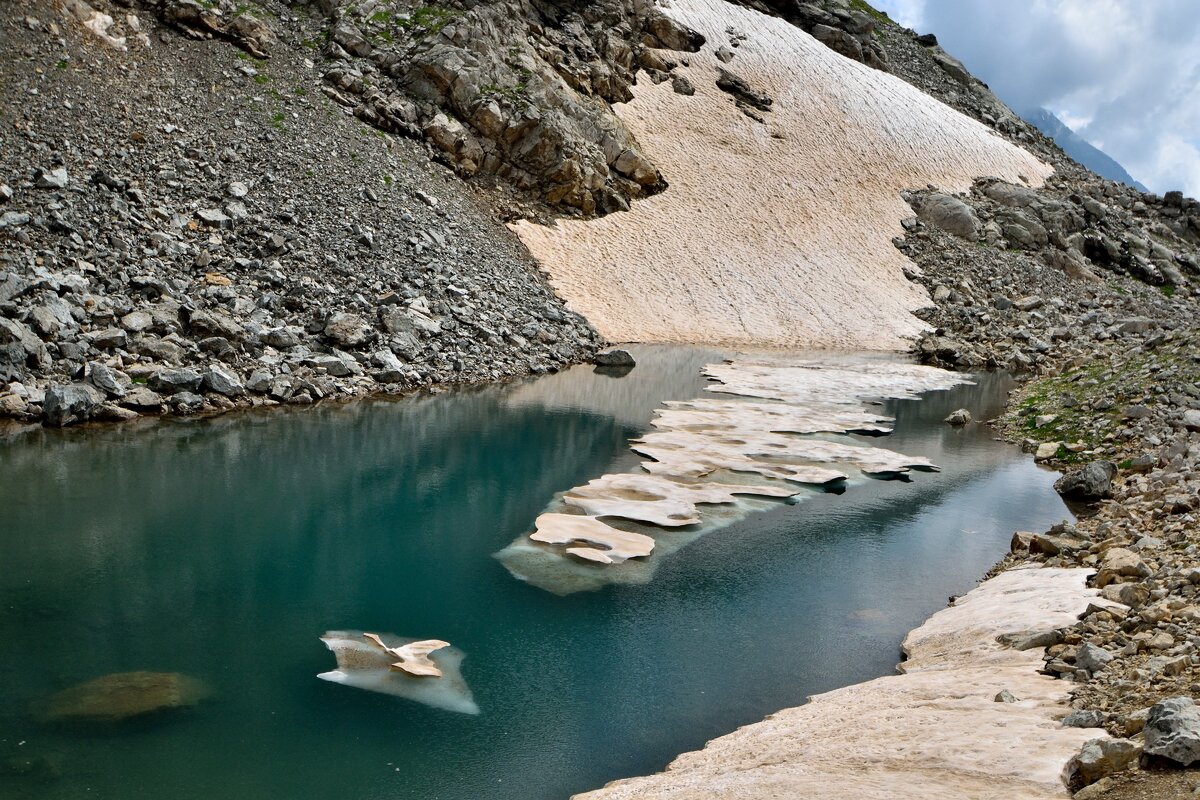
x=1125, y=74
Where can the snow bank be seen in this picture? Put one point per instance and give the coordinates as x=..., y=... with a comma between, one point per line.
x=779, y=233
x=935, y=732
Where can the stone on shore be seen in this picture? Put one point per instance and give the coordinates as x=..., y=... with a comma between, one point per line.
x=1093, y=482
x=1173, y=731
x=69, y=404
x=1100, y=758
x=1092, y=658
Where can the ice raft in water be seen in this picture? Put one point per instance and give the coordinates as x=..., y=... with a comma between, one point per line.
x=368, y=663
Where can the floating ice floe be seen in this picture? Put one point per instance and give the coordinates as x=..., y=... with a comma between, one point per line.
x=711, y=461
x=426, y=671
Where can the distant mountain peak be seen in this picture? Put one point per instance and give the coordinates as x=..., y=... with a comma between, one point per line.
x=1079, y=148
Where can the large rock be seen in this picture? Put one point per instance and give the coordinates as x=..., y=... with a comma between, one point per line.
x=1092, y=658
x=348, y=330
x=947, y=213
x=1093, y=482
x=171, y=381
x=120, y=697
x=223, y=381
x=614, y=358
x=70, y=403
x=1102, y=757
x=959, y=418
x=1118, y=564
x=1173, y=731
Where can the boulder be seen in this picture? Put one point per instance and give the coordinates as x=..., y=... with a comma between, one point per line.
x=282, y=338
x=120, y=697
x=1120, y=563
x=951, y=65
x=959, y=418
x=140, y=398
x=223, y=381
x=348, y=330
x=1046, y=451
x=56, y=178
x=1089, y=718
x=1129, y=594
x=1093, y=482
x=173, y=381
x=1102, y=757
x=614, y=358
x=1092, y=658
x=948, y=214
x=106, y=379
x=69, y=404
x=1173, y=731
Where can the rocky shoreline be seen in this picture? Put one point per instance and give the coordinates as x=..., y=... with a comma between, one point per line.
x=1110, y=364
x=187, y=229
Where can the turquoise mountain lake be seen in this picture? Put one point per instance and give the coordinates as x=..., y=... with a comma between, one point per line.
x=223, y=549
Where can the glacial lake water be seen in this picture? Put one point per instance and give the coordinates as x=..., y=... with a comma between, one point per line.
x=223, y=548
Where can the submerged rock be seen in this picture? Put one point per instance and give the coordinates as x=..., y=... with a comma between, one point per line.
x=119, y=697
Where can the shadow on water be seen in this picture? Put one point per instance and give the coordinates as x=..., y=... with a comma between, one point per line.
x=223, y=548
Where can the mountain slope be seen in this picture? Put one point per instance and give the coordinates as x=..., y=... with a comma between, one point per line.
x=796, y=154
x=1079, y=148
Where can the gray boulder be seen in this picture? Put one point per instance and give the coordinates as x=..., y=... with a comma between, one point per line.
x=1173, y=731
x=348, y=330
x=1102, y=757
x=1092, y=658
x=223, y=381
x=959, y=418
x=948, y=214
x=1093, y=482
x=173, y=381
x=614, y=358
x=952, y=66
x=282, y=338
x=56, y=178
x=187, y=402
x=259, y=382
x=107, y=339
x=105, y=378
x=69, y=404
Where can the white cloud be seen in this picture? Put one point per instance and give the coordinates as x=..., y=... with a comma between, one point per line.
x=908, y=13
x=1125, y=74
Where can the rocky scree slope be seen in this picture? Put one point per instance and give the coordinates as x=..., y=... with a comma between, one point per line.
x=1086, y=289
x=186, y=227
